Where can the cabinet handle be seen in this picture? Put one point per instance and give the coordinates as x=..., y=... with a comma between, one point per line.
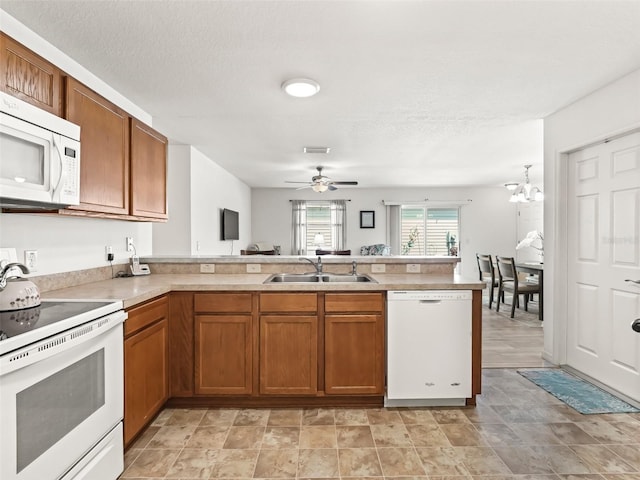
x=637, y=282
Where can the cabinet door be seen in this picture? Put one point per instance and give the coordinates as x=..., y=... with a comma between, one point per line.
x=148, y=171
x=288, y=354
x=104, y=155
x=354, y=354
x=145, y=377
x=28, y=76
x=224, y=357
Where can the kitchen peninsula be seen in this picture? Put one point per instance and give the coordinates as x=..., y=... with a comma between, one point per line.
x=229, y=339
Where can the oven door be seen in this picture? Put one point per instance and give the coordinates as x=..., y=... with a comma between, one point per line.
x=62, y=402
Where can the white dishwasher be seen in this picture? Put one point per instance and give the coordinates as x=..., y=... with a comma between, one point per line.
x=428, y=348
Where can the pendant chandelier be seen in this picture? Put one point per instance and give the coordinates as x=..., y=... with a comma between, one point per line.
x=525, y=192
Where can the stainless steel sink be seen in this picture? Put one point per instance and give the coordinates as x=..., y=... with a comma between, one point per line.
x=348, y=278
x=293, y=278
x=315, y=278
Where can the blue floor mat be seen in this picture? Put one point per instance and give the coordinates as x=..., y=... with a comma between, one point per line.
x=580, y=395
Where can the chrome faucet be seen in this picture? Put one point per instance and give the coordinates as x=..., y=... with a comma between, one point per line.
x=317, y=265
x=354, y=268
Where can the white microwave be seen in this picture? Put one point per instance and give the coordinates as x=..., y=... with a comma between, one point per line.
x=39, y=157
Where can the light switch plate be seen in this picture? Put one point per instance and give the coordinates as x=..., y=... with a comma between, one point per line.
x=253, y=268
x=413, y=268
x=378, y=268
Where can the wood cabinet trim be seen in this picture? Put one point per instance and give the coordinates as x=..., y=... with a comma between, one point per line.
x=144, y=315
x=227, y=302
x=42, y=89
x=295, y=302
x=346, y=302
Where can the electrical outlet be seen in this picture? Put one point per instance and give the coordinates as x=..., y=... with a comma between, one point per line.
x=378, y=268
x=207, y=268
x=413, y=268
x=31, y=260
x=253, y=268
x=108, y=250
x=130, y=244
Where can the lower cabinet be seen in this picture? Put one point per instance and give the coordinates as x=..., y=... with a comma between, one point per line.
x=262, y=347
x=288, y=343
x=146, y=386
x=223, y=354
x=354, y=343
x=288, y=354
x=223, y=343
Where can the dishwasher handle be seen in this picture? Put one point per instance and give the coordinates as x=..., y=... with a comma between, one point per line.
x=430, y=302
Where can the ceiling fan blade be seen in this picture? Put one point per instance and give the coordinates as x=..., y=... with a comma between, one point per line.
x=302, y=188
x=331, y=187
x=345, y=183
x=288, y=181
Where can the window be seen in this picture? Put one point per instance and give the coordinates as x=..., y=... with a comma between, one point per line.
x=429, y=231
x=318, y=224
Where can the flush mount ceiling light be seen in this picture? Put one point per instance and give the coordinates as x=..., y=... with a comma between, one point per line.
x=525, y=192
x=301, y=87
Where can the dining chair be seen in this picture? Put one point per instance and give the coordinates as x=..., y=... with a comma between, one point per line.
x=508, y=281
x=487, y=274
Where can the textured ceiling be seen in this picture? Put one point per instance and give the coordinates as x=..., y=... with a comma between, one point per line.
x=415, y=93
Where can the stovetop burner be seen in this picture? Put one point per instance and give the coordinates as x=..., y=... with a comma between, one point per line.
x=21, y=327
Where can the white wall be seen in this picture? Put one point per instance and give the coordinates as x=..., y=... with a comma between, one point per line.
x=488, y=222
x=66, y=244
x=198, y=190
x=611, y=110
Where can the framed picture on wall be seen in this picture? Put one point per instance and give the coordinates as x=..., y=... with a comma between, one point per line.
x=367, y=219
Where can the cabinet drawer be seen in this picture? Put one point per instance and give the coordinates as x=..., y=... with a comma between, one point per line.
x=223, y=302
x=146, y=314
x=288, y=302
x=353, y=302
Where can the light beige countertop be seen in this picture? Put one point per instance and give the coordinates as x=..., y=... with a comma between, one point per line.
x=135, y=290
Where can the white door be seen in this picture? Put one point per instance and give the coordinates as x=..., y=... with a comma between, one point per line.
x=603, y=251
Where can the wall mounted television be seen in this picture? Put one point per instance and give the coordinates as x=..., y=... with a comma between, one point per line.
x=230, y=226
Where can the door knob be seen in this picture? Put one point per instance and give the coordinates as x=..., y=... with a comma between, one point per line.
x=636, y=325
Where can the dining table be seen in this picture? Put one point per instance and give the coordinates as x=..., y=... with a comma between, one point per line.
x=535, y=269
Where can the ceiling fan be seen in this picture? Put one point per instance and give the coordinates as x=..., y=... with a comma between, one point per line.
x=321, y=183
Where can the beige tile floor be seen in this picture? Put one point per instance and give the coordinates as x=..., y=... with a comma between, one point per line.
x=516, y=432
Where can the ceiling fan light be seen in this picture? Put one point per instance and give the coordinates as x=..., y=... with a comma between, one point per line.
x=301, y=87
x=319, y=187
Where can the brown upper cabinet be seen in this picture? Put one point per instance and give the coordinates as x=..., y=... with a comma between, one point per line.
x=124, y=162
x=104, y=143
x=29, y=77
x=148, y=171
x=123, y=166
